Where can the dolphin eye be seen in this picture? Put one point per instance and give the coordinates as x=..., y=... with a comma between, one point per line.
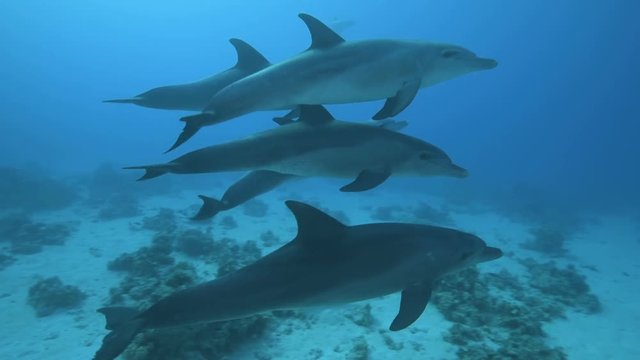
x=424, y=156
x=465, y=256
x=450, y=53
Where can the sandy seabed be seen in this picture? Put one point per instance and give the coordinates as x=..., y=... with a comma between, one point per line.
x=604, y=251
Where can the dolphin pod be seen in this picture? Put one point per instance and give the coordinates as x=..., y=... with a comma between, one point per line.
x=327, y=263
x=335, y=71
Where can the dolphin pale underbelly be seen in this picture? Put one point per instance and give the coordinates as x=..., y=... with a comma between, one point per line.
x=338, y=162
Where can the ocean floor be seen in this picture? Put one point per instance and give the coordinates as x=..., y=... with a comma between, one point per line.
x=603, y=250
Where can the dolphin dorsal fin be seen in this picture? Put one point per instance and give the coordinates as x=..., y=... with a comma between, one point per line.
x=248, y=57
x=315, y=225
x=322, y=36
x=315, y=114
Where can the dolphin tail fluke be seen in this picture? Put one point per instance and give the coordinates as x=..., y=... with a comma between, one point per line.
x=123, y=101
x=152, y=171
x=210, y=208
x=192, y=124
x=124, y=325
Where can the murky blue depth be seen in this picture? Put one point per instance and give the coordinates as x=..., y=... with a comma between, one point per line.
x=550, y=136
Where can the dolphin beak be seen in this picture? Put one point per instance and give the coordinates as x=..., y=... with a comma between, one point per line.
x=486, y=63
x=123, y=101
x=490, y=253
x=458, y=171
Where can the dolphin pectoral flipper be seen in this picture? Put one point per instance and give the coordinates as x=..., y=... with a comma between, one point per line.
x=124, y=326
x=288, y=118
x=412, y=304
x=152, y=171
x=192, y=124
x=366, y=180
x=395, y=104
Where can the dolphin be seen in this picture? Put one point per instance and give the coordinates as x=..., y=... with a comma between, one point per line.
x=259, y=182
x=248, y=187
x=327, y=263
x=196, y=95
x=335, y=71
x=319, y=145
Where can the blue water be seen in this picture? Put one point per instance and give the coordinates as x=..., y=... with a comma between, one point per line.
x=560, y=112
x=558, y=117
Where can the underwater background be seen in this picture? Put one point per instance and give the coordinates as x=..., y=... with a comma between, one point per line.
x=549, y=138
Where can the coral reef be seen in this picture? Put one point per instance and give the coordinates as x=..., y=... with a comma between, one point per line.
x=144, y=291
x=423, y=213
x=163, y=221
x=314, y=354
x=49, y=295
x=548, y=240
x=498, y=317
x=430, y=215
x=228, y=222
x=390, y=343
x=33, y=191
x=6, y=260
x=269, y=239
x=255, y=208
x=361, y=315
x=151, y=276
x=28, y=237
x=359, y=349
x=194, y=243
x=563, y=286
x=151, y=273
x=231, y=256
x=205, y=341
x=386, y=213
x=148, y=260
